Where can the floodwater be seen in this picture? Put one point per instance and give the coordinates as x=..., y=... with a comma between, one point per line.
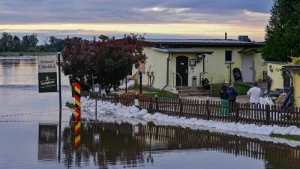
x=30, y=137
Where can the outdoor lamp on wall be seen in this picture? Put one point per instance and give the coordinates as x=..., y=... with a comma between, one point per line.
x=200, y=57
x=271, y=68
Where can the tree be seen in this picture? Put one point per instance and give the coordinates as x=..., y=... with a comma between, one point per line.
x=17, y=46
x=6, y=42
x=25, y=41
x=46, y=43
x=283, y=31
x=33, y=40
x=108, y=59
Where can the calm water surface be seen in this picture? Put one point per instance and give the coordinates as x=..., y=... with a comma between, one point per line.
x=29, y=141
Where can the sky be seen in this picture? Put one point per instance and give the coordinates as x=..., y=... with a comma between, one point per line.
x=155, y=18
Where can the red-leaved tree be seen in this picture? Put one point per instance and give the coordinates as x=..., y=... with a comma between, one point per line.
x=108, y=60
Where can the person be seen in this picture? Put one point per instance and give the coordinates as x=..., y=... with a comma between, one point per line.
x=254, y=94
x=224, y=99
x=232, y=95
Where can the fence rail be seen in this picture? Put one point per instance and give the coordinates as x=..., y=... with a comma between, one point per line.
x=245, y=113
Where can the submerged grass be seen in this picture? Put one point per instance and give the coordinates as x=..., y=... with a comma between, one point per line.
x=289, y=137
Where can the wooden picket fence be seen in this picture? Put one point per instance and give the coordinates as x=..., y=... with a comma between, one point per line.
x=245, y=113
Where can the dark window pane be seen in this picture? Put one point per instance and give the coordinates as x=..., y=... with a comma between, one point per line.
x=228, y=56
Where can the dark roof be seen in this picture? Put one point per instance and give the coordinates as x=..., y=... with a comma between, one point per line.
x=292, y=67
x=183, y=50
x=212, y=42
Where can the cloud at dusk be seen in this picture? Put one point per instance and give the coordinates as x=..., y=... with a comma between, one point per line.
x=175, y=18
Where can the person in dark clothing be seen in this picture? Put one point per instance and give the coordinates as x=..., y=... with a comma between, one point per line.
x=232, y=96
x=224, y=99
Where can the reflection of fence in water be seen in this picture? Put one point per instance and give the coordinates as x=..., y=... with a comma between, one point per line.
x=275, y=153
x=176, y=137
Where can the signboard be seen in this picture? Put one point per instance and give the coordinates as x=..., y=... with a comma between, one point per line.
x=47, y=74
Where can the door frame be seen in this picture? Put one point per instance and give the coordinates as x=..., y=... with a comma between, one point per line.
x=244, y=69
x=185, y=76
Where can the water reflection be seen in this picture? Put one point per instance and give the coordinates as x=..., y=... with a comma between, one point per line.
x=112, y=144
x=47, y=150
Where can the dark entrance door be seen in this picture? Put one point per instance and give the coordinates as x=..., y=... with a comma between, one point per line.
x=182, y=69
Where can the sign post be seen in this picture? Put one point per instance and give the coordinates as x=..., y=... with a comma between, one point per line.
x=47, y=74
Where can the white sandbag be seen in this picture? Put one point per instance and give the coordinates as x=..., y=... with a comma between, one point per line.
x=265, y=101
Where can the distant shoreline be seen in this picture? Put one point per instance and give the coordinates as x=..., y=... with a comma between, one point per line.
x=27, y=53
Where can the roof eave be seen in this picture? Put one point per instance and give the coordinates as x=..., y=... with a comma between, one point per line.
x=211, y=44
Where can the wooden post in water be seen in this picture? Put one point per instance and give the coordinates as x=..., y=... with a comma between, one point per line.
x=77, y=114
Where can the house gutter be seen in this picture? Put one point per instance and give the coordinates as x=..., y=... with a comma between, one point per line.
x=167, y=83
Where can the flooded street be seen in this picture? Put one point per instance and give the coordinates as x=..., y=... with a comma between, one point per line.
x=29, y=136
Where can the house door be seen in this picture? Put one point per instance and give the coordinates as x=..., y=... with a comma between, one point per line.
x=182, y=70
x=247, y=68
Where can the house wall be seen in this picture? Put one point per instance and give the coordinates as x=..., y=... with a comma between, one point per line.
x=296, y=82
x=277, y=79
x=157, y=62
x=214, y=64
x=217, y=68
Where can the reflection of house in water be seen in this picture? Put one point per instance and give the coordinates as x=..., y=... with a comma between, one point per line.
x=132, y=145
x=47, y=147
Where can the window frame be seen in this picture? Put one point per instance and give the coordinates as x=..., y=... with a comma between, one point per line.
x=232, y=56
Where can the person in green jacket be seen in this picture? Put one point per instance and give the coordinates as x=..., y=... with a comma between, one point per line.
x=224, y=99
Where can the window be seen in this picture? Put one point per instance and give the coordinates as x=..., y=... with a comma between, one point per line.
x=228, y=55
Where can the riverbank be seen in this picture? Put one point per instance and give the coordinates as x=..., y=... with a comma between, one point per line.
x=27, y=53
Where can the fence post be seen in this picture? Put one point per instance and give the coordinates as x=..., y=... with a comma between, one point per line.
x=237, y=107
x=267, y=109
x=136, y=100
x=150, y=106
x=116, y=98
x=181, y=107
x=156, y=103
x=207, y=109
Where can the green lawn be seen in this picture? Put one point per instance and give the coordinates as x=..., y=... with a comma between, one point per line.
x=242, y=89
x=157, y=92
x=289, y=137
x=27, y=53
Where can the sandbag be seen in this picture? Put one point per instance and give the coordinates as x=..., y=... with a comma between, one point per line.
x=265, y=101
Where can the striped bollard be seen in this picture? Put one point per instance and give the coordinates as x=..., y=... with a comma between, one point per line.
x=77, y=113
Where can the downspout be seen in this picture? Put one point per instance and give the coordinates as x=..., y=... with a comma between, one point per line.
x=167, y=73
x=203, y=63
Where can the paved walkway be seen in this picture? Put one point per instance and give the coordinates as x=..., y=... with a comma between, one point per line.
x=240, y=99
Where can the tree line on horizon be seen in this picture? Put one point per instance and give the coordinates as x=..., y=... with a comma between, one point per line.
x=29, y=43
